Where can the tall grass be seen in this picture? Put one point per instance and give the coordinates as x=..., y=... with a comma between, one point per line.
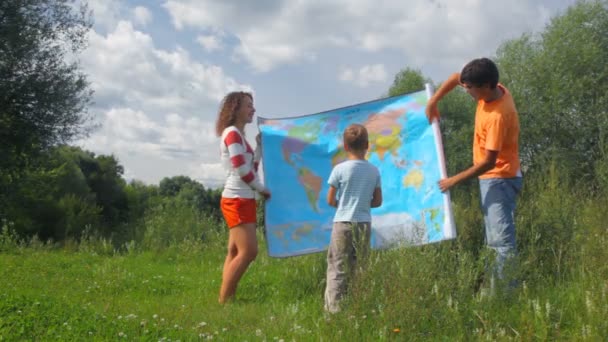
x=164, y=284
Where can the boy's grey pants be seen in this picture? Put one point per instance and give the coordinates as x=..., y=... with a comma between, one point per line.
x=349, y=241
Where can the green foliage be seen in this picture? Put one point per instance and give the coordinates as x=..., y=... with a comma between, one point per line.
x=104, y=178
x=457, y=123
x=77, y=215
x=185, y=190
x=75, y=189
x=9, y=240
x=140, y=197
x=558, y=80
x=548, y=211
x=43, y=99
x=171, y=186
x=407, y=81
x=43, y=95
x=466, y=207
x=175, y=222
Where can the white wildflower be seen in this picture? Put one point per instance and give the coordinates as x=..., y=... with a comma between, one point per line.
x=589, y=302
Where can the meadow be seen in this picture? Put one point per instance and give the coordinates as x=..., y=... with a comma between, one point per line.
x=165, y=287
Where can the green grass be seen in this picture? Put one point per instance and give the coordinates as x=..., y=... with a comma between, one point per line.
x=58, y=295
x=417, y=293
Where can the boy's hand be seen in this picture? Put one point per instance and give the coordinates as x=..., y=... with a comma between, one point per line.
x=432, y=112
x=446, y=183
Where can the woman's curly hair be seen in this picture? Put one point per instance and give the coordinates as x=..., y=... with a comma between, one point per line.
x=228, y=108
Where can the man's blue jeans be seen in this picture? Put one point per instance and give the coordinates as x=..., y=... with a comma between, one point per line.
x=498, y=196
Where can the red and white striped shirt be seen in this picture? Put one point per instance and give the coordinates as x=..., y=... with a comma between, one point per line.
x=241, y=164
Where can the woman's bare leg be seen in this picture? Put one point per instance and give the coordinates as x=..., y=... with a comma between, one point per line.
x=242, y=250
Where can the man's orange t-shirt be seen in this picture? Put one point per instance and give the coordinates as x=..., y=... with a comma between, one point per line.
x=497, y=129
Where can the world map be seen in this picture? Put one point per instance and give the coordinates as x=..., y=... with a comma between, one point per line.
x=299, y=153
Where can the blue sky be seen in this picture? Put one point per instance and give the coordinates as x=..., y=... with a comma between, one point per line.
x=160, y=68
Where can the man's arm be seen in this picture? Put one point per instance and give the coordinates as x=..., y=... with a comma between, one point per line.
x=432, y=112
x=474, y=171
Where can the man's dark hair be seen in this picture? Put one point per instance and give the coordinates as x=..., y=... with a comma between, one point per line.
x=480, y=71
x=355, y=137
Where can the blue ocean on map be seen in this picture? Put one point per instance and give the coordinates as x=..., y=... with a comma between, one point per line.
x=299, y=153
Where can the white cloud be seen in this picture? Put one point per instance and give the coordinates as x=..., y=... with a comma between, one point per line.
x=436, y=32
x=210, y=174
x=106, y=13
x=153, y=105
x=365, y=75
x=153, y=149
x=346, y=75
x=210, y=42
x=125, y=130
x=127, y=69
x=142, y=15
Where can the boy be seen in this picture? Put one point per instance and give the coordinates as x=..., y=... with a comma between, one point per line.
x=495, y=158
x=356, y=183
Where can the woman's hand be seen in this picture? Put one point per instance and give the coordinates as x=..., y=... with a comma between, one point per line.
x=266, y=194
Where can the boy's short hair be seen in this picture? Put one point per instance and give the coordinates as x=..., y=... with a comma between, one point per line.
x=480, y=71
x=355, y=137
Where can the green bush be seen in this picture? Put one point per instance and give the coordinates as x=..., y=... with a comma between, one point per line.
x=176, y=222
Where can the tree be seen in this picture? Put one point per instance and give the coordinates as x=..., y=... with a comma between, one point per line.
x=407, y=81
x=186, y=191
x=559, y=81
x=171, y=186
x=43, y=93
x=54, y=201
x=71, y=190
x=104, y=177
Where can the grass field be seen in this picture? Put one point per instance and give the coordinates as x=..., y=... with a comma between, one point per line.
x=87, y=291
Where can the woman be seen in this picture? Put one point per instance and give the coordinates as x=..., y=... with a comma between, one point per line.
x=238, y=198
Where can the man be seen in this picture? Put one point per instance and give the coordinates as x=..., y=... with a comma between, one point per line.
x=495, y=157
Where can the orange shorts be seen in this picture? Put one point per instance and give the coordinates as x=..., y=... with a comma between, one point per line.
x=238, y=211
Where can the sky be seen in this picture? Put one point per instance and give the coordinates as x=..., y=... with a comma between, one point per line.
x=159, y=68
